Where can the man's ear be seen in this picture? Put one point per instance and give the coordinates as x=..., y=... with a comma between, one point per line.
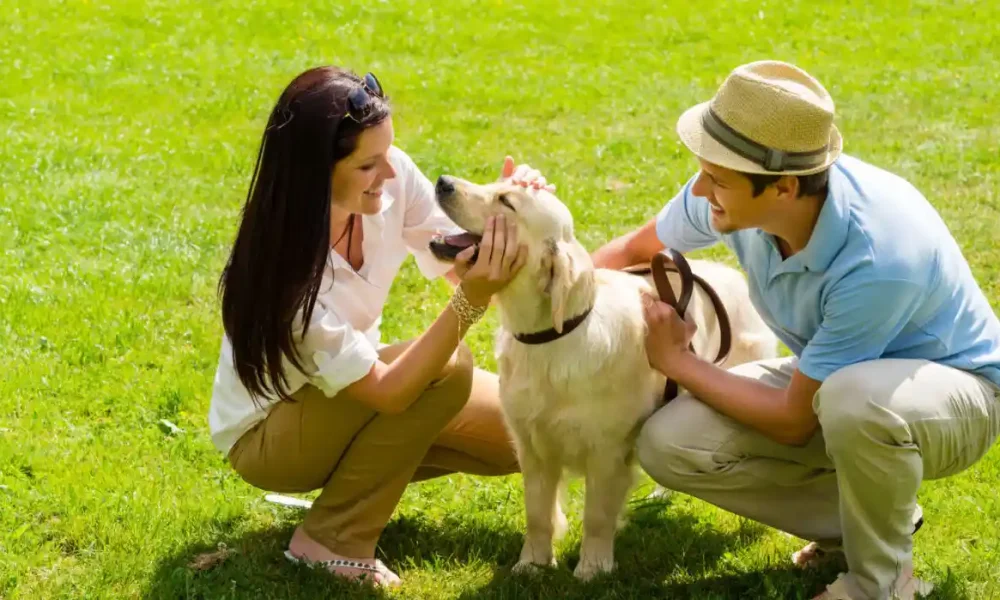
x=559, y=266
x=787, y=187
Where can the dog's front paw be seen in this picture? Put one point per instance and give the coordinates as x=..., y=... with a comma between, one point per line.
x=591, y=566
x=532, y=559
x=526, y=567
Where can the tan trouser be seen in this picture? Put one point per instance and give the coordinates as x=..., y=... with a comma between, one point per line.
x=886, y=425
x=363, y=460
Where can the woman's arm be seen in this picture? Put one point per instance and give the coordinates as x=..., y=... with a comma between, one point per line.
x=391, y=388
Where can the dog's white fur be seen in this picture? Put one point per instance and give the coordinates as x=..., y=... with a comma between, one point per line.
x=577, y=403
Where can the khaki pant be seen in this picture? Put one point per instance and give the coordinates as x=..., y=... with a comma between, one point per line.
x=886, y=425
x=363, y=460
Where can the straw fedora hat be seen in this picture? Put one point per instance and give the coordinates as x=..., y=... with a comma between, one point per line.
x=768, y=117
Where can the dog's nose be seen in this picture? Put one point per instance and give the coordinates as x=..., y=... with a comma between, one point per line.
x=445, y=186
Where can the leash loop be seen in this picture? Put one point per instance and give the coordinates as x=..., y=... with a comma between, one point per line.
x=671, y=260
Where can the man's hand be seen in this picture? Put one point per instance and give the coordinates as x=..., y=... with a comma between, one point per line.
x=524, y=176
x=783, y=414
x=667, y=335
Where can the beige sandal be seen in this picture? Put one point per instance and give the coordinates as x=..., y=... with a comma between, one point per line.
x=909, y=589
x=380, y=574
x=836, y=590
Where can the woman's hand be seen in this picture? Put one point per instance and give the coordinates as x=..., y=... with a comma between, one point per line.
x=524, y=176
x=500, y=258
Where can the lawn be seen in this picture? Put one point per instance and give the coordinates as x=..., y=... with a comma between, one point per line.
x=128, y=131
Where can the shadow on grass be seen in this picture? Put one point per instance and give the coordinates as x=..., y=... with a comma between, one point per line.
x=784, y=583
x=656, y=546
x=253, y=566
x=660, y=554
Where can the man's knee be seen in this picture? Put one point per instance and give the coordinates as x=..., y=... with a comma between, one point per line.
x=669, y=447
x=850, y=408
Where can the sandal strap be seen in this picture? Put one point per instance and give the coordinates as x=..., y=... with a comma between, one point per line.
x=353, y=564
x=337, y=562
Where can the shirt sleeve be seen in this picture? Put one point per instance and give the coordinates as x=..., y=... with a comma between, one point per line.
x=860, y=320
x=339, y=353
x=685, y=223
x=423, y=218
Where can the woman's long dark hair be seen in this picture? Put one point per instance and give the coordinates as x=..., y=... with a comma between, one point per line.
x=276, y=264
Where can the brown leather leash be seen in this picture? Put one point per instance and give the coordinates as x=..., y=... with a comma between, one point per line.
x=671, y=260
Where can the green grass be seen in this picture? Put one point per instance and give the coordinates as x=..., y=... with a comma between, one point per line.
x=127, y=132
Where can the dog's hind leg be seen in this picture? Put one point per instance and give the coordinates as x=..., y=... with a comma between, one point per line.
x=544, y=515
x=608, y=480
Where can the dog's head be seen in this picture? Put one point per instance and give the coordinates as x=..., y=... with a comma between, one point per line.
x=544, y=225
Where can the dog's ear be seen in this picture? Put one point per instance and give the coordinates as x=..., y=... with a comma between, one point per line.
x=558, y=264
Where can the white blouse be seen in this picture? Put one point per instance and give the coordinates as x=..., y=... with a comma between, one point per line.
x=340, y=347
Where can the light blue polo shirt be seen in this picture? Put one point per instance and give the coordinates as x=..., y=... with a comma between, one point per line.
x=881, y=277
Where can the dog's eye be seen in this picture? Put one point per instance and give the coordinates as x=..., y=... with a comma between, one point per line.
x=505, y=201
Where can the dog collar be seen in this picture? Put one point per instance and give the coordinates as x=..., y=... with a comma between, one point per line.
x=551, y=335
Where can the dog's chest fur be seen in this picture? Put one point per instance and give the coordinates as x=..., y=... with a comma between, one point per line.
x=588, y=391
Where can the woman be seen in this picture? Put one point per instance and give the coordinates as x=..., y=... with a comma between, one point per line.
x=305, y=397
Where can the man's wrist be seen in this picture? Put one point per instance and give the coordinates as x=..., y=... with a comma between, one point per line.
x=674, y=362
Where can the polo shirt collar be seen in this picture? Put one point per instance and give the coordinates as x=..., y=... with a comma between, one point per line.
x=829, y=234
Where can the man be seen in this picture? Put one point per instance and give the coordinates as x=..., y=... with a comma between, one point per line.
x=895, y=376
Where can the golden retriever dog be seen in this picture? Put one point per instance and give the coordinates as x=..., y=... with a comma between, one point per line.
x=577, y=403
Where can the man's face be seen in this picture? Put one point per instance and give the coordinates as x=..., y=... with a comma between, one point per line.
x=730, y=193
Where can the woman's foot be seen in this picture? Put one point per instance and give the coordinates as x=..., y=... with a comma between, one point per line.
x=305, y=549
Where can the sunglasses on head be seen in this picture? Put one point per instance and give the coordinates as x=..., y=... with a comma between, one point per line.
x=363, y=96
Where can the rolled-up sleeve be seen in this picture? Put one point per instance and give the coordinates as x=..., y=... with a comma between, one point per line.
x=340, y=353
x=685, y=223
x=423, y=219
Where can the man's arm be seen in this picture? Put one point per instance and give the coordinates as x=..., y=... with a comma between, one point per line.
x=783, y=414
x=684, y=224
x=635, y=247
x=860, y=318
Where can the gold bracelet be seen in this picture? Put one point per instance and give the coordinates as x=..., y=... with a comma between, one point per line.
x=467, y=314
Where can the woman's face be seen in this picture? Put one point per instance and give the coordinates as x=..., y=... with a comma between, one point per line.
x=357, y=179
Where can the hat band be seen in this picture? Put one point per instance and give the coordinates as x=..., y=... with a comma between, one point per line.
x=769, y=158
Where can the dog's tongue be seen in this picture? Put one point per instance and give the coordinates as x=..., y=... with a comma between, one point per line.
x=462, y=240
